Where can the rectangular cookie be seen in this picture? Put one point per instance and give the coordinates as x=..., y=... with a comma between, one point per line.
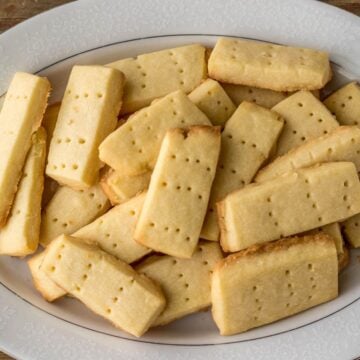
x=290, y=204
x=88, y=113
x=185, y=282
x=21, y=115
x=344, y=103
x=263, y=97
x=246, y=142
x=268, y=66
x=341, y=144
x=133, y=148
x=114, y=231
x=108, y=287
x=70, y=210
x=213, y=101
x=334, y=231
x=120, y=188
x=351, y=228
x=344, y=259
x=46, y=287
x=20, y=235
x=154, y=75
x=267, y=283
x=305, y=118
x=175, y=205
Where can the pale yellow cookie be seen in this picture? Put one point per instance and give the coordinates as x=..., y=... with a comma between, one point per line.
x=266, y=283
x=246, y=142
x=46, y=287
x=87, y=115
x=70, y=210
x=268, y=66
x=120, y=188
x=305, y=118
x=263, y=97
x=176, y=202
x=108, y=287
x=20, y=235
x=133, y=148
x=213, y=101
x=151, y=76
x=342, y=144
x=351, y=228
x=21, y=115
x=334, y=231
x=290, y=204
x=345, y=104
x=344, y=259
x=185, y=282
x=114, y=231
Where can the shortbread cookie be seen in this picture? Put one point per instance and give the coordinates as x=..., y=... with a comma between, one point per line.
x=151, y=76
x=266, y=283
x=114, y=231
x=20, y=235
x=20, y=117
x=342, y=144
x=351, y=229
x=213, y=101
x=176, y=202
x=345, y=104
x=290, y=204
x=185, y=282
x=119, y=188
x=263, y=97
x=46, y=287
x=334, y=231
x=344, y=259
x=109, y=287
x=268, y=66
x=70, y=210
x=246, y=142
x=87, y=115
x=305, y=118
x=133, y=148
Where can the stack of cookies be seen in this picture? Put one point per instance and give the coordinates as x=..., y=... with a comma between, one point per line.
x=182, y=179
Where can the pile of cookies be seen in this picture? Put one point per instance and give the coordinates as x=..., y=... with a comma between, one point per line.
x=183, y=179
